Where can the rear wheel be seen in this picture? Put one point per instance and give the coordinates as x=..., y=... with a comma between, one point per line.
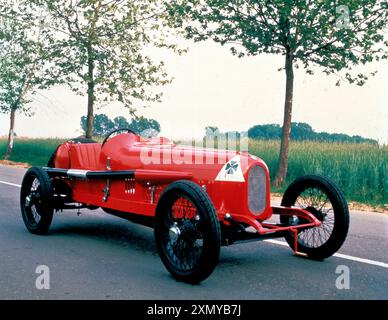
x=321, y=197
x=36, y=201
x=187, y=232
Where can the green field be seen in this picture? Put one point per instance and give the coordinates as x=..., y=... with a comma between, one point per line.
x=36, y=152
x=361, y=170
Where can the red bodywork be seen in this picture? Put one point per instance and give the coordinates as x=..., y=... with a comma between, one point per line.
x=149, y=165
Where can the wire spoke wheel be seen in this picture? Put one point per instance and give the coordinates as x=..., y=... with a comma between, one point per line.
x=183, y=239
x=317, y=202
x=323, y=199
x=35, y=201
x=187, y=232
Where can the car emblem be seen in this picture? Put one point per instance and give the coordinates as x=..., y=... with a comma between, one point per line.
x=231, y=167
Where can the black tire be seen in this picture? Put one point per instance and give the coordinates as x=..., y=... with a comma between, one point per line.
x=323, y=241
x=188, y=241
x=36, y=201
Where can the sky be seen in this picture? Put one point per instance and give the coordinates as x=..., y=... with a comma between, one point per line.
x=211, y=87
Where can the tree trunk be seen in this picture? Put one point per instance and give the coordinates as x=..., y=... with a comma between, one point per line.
x=281, y=173
x=8, y=153
x=90, y=114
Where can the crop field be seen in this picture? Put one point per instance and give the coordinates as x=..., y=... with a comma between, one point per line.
x=35, y=152
x=361, y=170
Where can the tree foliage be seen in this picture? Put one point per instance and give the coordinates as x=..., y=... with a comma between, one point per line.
x=145, y=127
x=24, y=62
x=301, y=131
x=24, y=65
x=100, y=47
x=103, y=125
x=333, y=35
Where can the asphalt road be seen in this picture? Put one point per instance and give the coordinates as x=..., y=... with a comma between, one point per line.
x=97, y=256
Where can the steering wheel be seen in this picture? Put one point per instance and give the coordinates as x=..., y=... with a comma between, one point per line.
x=115, y=131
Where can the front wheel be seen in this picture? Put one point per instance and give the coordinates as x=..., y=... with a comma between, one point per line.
x=321, y=197
x=36, y=201
x=187, y=232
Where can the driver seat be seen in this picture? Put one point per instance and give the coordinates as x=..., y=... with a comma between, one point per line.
x=85, y=156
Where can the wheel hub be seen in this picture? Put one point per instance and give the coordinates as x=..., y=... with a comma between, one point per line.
x=317, y=213
x=174, y=232
x=33, y=198
x=27, y=201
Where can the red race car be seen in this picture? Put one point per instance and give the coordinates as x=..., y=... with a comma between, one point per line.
x=196, y=199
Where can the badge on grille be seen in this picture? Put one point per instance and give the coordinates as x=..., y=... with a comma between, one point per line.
x=231, y=171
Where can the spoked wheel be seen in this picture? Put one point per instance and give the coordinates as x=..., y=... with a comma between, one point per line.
x=35, y=201
x=187, y=232
x=322, y=198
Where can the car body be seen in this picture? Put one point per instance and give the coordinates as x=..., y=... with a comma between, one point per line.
x=146, y=180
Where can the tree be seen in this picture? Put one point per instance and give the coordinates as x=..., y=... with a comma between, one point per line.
x=23, y=61
x=100, y=49
x=120, y=122
x=331, y=34
x=145, y=127
x=302, y=131
x=265, y=131
x=102, y=125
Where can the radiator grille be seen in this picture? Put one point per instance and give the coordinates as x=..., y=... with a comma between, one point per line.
x=257, y=189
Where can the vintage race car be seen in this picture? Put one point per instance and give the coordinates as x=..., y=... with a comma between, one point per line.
x=194, y=204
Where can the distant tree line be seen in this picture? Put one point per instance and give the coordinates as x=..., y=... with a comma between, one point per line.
x=301, y=131
x=103, y=125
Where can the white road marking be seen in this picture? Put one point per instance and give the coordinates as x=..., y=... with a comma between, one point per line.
x=338, y=255
x=285, y=244
x=11, y=184
x=362, y=260
x=280, y=243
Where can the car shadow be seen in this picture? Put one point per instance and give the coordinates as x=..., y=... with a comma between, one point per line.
x=104, y=227
x=119, y=232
